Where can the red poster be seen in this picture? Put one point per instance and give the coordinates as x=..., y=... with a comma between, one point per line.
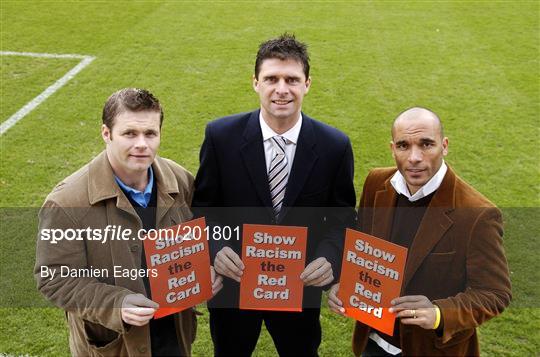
x=274, y=257
x=181, y=259
x=371, y=276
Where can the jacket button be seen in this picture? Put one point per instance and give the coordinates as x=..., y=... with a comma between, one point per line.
x=142, y=349
x=134, y=248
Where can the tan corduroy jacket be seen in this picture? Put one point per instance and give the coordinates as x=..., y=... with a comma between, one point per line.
x=90, y=198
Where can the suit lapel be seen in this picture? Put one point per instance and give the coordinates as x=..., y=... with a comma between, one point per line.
x=252, y=152
x=166, y=187
x=384, y=211
x=433, y=226
x=164, y=204
x=304, y=159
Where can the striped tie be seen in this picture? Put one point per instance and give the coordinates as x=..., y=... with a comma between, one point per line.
x=278, y=173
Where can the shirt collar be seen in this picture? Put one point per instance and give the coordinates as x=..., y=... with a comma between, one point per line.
x=291, y=135
x=141, y=197
x=400, y=185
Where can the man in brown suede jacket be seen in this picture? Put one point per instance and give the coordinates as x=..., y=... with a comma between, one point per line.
x=456, y=275
x=103, y=283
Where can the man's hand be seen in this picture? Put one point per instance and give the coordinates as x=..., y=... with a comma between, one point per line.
x=415, y=310
x=228, y=263
x=217, y=281
x=335, y=304
x=317, y=273
x=137, y=310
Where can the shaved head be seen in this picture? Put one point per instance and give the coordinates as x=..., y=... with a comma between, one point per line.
x=417, y=113
x=418, y=146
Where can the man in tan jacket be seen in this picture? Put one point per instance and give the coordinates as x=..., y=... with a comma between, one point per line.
x=88, y=265
x=456, y=275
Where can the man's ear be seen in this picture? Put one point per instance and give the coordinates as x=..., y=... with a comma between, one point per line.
x=308, y=84
x=255, y=84
x=445, y=146
x=392, y=145
x=106, y=133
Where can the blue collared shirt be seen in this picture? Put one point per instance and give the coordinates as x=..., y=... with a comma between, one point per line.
x=142, y=198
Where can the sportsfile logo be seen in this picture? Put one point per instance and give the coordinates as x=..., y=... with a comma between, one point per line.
x=114, y=233
x=117, y=233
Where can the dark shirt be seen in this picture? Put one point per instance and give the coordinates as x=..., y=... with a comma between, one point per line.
x=163, y=337
x=407, y=218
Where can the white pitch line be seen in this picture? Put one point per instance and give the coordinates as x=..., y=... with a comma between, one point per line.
x=44, y=55
x=31, y=105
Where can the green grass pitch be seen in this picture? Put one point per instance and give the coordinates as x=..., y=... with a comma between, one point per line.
x=474, y=63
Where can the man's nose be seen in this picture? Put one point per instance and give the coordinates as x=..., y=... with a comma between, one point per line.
x=140, y=143
x=415, y=155
x=282, y=86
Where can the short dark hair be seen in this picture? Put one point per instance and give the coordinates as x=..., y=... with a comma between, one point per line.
x=130, y=99
x=284, y=47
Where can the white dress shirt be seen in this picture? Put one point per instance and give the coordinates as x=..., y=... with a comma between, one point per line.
x=292, y=139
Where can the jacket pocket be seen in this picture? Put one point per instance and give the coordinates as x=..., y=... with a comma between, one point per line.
x=440, y=258
x=312, y=198
x=101, y=340
x=436, y=265
x=435, y=277
x=457, y=339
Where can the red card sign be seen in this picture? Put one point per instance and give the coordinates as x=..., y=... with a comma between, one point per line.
x=371, y=276
x=274, y=257
x=180, y=256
